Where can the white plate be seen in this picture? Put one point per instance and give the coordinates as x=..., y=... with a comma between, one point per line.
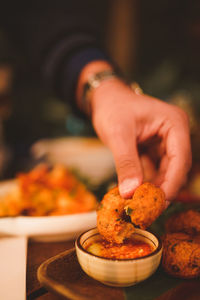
x=50, y=228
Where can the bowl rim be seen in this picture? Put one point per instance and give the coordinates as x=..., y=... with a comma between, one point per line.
x=157, y=250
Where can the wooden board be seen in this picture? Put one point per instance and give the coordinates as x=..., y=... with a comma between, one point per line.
x=63, y=275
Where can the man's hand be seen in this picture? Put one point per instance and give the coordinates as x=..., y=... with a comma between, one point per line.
x=124, y=120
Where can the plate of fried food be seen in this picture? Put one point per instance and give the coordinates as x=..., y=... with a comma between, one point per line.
x=47, y=204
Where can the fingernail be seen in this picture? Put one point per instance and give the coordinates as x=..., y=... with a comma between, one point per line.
x=127, y=187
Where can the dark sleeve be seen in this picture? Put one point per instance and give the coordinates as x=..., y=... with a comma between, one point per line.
x=59, y=38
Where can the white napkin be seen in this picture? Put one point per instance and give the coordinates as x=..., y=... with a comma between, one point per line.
x=13, y=252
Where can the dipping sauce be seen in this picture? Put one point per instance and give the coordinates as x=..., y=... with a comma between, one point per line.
x=130, y=249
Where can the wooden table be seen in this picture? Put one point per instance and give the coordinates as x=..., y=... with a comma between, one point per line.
x=38, y=252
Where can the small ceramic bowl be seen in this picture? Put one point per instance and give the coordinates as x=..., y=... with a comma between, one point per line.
x=118, y=272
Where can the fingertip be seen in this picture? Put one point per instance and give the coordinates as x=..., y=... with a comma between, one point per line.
x=128, y=186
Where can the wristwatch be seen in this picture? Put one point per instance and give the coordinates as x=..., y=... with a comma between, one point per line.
x=93, y=82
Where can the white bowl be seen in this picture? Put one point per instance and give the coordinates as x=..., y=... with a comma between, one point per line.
x=88, y=156
x=118, y=272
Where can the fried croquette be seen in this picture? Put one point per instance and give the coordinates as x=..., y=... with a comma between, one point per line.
x=117, y=217
x=181, y=255
x=186, y=221
x=110, y=222
x=147, y=204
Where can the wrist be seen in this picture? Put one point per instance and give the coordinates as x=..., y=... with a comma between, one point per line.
x=89, y=79
x=112, y=92
x=95, y=84
x=96, y=81
x=108, y=94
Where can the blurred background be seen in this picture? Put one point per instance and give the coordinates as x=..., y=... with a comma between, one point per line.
x=156, y=43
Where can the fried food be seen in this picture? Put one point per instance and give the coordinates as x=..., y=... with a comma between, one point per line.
x=46, y=192
x=110, y=221
x=181, y=255
x=186, y=221
x=147, y=204
x=117, y=217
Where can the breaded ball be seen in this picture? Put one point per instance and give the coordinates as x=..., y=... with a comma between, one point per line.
x=110, y=222
x=117, y=217
x=147, y=204
x=186, y=221
x=181, y=255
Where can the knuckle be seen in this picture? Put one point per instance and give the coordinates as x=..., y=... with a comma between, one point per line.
x=127, y=166
x=125, y=162
x=181, y=114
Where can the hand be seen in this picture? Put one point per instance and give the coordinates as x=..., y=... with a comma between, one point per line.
x=124, y=121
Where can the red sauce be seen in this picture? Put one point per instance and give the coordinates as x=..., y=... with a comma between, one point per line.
x=128, y=250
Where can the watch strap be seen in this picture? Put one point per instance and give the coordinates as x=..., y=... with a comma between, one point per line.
x=93, y=82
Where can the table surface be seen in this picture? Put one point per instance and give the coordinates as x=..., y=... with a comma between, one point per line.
x=38, y=252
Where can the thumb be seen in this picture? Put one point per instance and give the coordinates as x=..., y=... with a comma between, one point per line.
x=128, y=166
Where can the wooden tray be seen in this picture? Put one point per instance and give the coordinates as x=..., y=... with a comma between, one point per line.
x=63, y=275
